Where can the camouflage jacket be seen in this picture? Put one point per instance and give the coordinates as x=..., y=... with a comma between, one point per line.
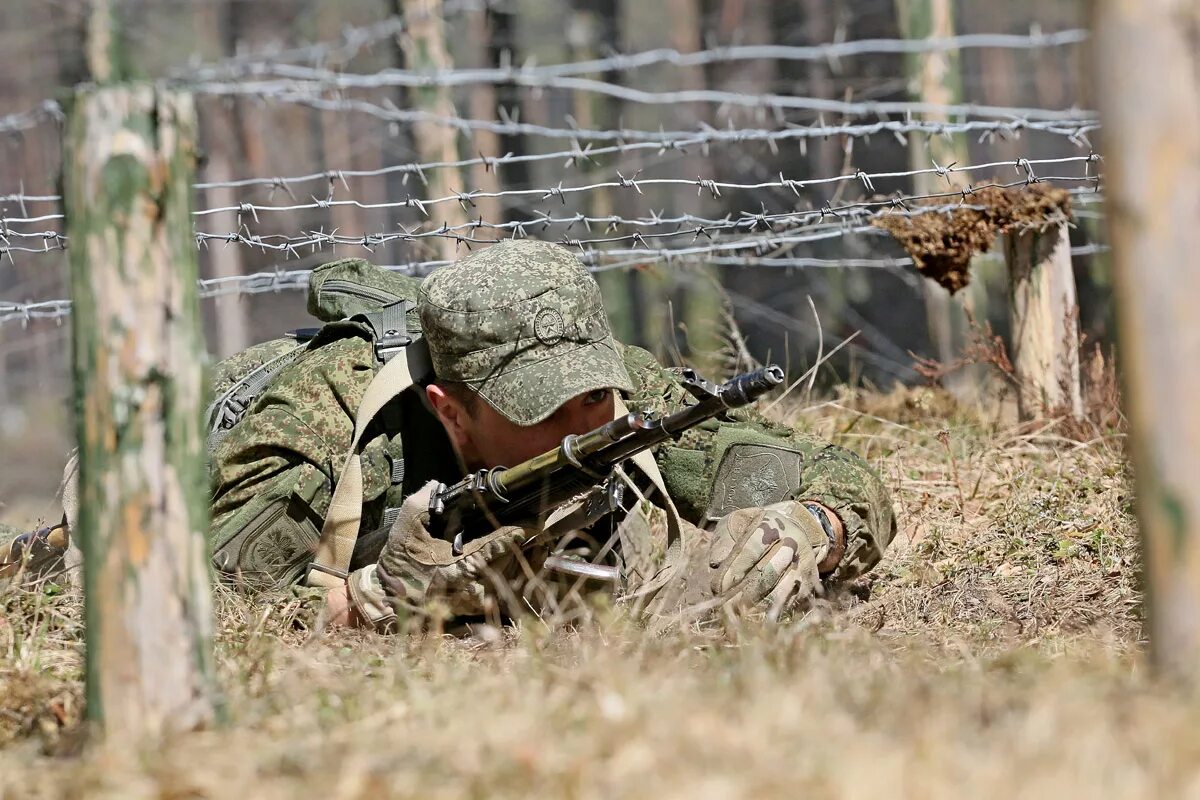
x=272, y=476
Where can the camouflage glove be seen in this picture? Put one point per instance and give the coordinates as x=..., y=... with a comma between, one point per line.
x=768, y=555
x=416, y=568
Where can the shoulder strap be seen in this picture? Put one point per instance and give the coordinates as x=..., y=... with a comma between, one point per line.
x=389, y=328
x=645, y=462
x=339, y=533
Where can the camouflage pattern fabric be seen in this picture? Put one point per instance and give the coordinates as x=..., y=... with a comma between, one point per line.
x=272, y=476
x=769, y=556
x=528, y=334
x=765, y=557
x=419, y=581
x=821, y=471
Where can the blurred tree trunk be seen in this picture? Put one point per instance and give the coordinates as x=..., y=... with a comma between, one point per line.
x=230, y=311
x=695, y=324
x=504, y=41
x=936, y=77
x=824, y=155
x=218, y=120
x=539, y=38
x=642, y=27
x=1045, y=322
x=424, y=45
x=671, y=306
x=1148, y=76
x=139, y=356
x=588, y=30
x=482, y=106
x=338, y=142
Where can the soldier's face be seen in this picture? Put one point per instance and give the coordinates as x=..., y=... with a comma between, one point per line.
x=486, y=439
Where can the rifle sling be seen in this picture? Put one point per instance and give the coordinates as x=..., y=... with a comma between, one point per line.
x=331, y=565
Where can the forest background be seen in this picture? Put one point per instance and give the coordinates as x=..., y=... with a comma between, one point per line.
x=676, y=310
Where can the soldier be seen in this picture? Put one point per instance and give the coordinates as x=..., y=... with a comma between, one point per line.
x=738, y=514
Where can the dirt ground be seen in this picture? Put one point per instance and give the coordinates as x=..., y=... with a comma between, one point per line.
x=996, y=651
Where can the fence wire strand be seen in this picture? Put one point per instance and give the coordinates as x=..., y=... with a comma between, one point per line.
x=215, y=78
x=311, y=76
x=695, y=226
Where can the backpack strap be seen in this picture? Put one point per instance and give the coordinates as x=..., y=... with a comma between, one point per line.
x=228, y=409
x=389, y=328
x=339, y=533
x=645, y=463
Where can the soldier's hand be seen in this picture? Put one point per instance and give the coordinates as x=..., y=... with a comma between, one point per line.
x=770, y=555
x=414, y=562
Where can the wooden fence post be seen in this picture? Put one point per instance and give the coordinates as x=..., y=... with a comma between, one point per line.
x=1148, y=77
x=138, y=356
x=1045, y=323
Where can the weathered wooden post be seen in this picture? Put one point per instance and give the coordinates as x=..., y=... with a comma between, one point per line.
x=138, y=356
x=128, y=169
x=1148, y=88
x=1045, y=321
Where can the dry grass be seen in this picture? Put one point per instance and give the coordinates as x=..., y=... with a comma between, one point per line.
x=996, y=648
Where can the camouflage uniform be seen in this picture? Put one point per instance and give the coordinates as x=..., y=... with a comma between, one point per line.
x=521, y=323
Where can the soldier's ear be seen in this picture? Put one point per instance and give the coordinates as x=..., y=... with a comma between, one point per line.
x=454, y=416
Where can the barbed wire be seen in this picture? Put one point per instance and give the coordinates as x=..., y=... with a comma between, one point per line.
x=659, y=141
x=664, y=141
x=345, y=47
x=279, y=280
x=839, y=223
x=289, y=92
x=348, y=45
x=26, y=120
x=766, y=239
x=693, y=225
x=712, y=186
x=507, y=73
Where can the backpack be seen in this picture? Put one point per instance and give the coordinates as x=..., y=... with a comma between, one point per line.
x=352, y=297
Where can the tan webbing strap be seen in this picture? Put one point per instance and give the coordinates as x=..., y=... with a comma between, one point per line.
x=340, y=531
x=645, y=462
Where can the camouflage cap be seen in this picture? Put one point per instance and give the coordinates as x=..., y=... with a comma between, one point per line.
x=522, y=323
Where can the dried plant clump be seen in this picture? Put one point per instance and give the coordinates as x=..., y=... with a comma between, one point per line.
x=941, y=244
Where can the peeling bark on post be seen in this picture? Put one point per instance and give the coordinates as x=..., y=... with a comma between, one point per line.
x=1148, y=77
x=424, y=46
x=1045, y=321
x=138, y=360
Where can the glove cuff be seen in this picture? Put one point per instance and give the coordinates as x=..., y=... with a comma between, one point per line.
x=369, y=599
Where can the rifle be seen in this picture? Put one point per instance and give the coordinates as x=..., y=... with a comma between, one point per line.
x=491, y=498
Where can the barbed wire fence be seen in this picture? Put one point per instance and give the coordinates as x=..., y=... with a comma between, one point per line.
x=760, y=208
